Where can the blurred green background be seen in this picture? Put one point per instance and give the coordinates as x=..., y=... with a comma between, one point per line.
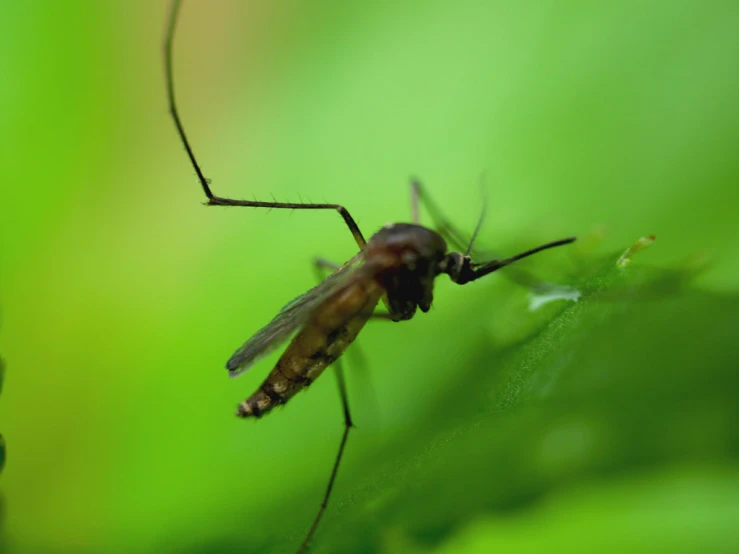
x=606, y=423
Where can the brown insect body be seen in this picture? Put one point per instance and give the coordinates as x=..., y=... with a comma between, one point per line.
x=399, y=263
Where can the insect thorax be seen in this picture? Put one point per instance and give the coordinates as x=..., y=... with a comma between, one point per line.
x=408, y=256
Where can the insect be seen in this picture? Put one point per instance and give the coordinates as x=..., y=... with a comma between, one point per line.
x=397, y=267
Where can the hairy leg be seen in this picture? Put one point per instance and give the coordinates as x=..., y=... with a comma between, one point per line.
x=214, y=200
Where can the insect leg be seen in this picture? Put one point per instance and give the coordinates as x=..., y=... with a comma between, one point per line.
x=214, y=200
x=415, y=194
x=383, y=316
x=347, y=427
x=322, y=264
x=458, y=239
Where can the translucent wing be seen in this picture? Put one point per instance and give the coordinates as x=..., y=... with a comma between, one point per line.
x=291, y=318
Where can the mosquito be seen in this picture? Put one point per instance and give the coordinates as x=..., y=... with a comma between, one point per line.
x=396, y=266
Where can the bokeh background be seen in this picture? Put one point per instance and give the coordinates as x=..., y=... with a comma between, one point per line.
x=122, y=296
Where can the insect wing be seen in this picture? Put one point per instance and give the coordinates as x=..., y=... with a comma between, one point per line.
x=291, y=318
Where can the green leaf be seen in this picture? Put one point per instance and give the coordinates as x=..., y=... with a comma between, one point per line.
x=635, y=378
x=677, y=511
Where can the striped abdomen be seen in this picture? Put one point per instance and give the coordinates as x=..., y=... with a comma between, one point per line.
x=332, y=328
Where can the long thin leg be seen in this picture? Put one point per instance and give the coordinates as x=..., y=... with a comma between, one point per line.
x=347, y=427
x=458, y=239
x=321, y=264
x=415, y=193
x=214, y=200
